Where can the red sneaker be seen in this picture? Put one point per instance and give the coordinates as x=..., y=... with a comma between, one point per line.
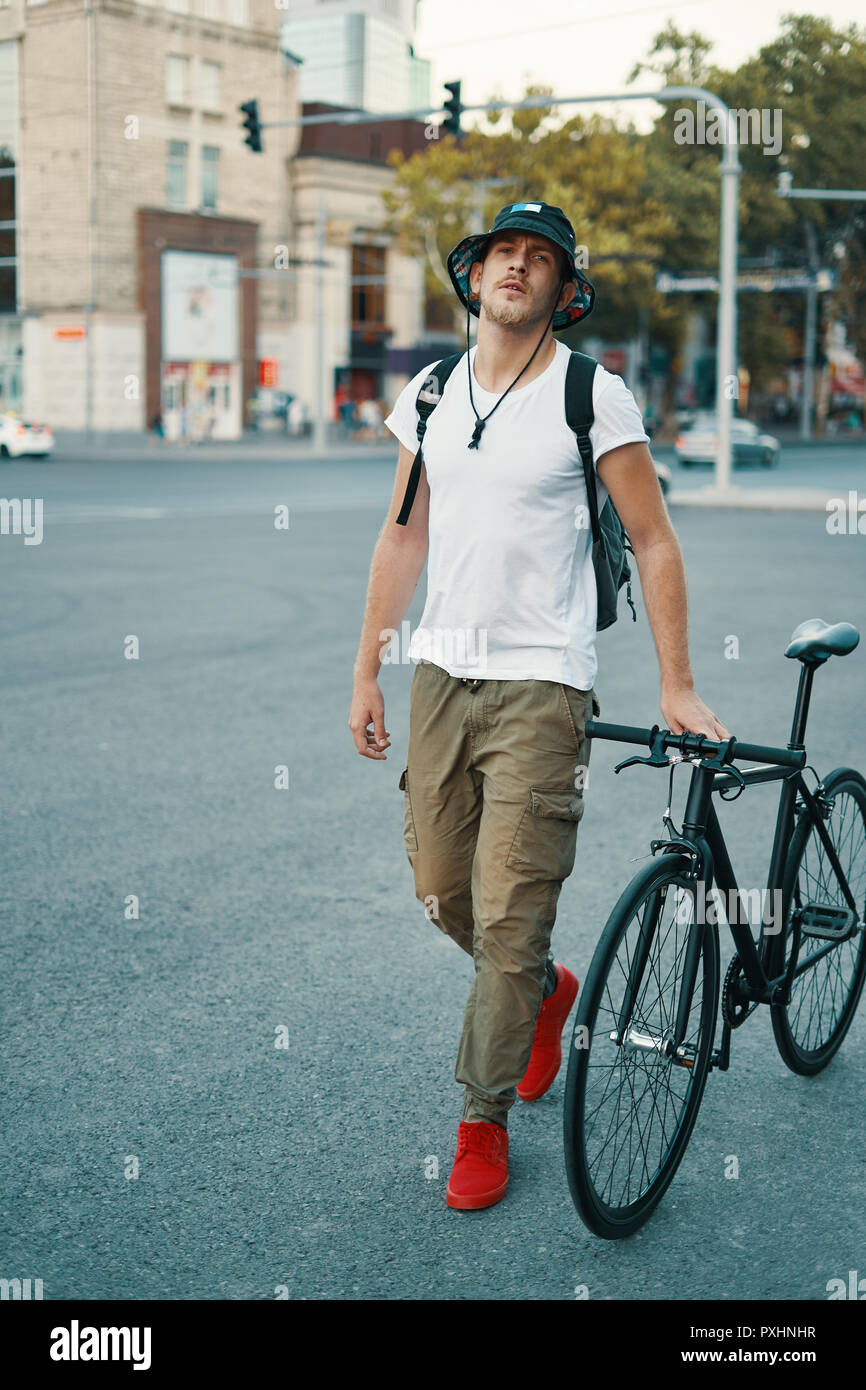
x=546, y=1056
x=480, y=1173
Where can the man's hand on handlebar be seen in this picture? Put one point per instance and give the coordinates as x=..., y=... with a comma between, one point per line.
x=368, y=707
x=685, y=712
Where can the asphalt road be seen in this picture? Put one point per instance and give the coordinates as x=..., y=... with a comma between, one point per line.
x=270, y=1045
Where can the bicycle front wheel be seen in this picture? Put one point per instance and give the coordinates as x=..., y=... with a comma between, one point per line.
x=632, y=1096
x=810, y=1026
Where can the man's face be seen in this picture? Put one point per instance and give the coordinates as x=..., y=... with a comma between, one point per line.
x=519, y=278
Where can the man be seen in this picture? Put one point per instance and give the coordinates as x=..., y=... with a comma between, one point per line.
x=506, y=649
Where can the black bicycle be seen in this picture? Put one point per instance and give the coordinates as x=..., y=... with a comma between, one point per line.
x=644, y=1033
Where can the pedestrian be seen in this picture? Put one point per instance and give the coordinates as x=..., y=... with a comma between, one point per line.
x=349, y=416
x=370, y=419
x=341, y=395
x=157, y=428
x=297, y=417
x=497, y=753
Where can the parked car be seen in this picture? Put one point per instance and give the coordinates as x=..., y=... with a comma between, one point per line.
x=663, y=474
x=699, y=442
x=19, y=436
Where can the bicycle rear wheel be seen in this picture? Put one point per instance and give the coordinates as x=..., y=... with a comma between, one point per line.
x=810, y=1026
x=630, y=1106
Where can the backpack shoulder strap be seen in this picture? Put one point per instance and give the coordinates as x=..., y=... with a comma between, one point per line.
x=580, y=414
x=427, y=400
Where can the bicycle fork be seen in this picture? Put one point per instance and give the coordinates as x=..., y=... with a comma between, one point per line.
x=669, y=1044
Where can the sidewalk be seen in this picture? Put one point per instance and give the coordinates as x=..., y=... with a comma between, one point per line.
x=264, y=444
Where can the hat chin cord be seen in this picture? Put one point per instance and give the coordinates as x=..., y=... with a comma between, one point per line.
x=479, y=422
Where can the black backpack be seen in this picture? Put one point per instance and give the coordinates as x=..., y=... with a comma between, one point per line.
x=609, y=538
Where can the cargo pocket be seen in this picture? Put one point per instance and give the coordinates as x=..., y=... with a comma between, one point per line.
x=408, y=819
x=546, y=836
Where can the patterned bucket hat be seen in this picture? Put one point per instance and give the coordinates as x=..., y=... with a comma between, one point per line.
x=545, y=220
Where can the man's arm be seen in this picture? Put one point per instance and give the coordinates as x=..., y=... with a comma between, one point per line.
x=398, y=559
x=629, y=475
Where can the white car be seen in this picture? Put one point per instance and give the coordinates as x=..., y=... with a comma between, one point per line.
x=19, y=436
x=699, y=442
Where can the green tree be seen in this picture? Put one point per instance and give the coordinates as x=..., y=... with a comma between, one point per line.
x=814, y=75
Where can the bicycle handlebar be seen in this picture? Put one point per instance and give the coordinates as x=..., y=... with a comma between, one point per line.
x=691, y=744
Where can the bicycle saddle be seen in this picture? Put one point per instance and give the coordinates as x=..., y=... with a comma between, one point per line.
x=814, y=640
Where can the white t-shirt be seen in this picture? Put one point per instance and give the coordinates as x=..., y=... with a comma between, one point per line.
x=511, y=589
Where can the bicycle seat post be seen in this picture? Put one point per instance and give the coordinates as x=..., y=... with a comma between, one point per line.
x=801, y=708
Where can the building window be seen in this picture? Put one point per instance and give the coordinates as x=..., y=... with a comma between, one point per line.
x=176, y=174
x=368, y=284
x=176, y=79
x=209, y=167
x=209, y=86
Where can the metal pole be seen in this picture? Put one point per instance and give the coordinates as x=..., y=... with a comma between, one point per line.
x=726, y=328
x=320, y=424
x=807, y=396
x=826, y=195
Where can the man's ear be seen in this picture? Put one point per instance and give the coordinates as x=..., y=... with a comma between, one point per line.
x=566, y=295
x=475, y=278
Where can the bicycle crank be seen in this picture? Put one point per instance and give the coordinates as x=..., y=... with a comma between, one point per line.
x=736, y=1006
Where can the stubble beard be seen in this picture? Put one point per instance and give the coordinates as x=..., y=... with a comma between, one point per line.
x=513, y=312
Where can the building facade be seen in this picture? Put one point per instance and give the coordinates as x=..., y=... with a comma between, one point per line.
x=359, y=53
x=151, y=265
x=141, y=221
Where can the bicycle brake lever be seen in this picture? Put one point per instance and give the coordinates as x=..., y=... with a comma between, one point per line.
x=657, y=758
x=719, y=761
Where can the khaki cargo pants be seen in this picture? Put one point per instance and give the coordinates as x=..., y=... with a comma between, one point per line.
x=493, y=794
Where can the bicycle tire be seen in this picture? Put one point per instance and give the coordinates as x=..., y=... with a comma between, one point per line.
x=803, y=876
x=606, y=1218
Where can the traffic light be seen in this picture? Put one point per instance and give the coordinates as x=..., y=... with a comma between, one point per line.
x=451, y=124
x=252, y=125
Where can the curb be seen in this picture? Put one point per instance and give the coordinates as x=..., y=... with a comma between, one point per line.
x=793, y=499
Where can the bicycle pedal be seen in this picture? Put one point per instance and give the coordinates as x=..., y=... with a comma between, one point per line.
x=828, y=923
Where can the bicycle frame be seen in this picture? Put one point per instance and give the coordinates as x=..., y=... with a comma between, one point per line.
x=703, y=840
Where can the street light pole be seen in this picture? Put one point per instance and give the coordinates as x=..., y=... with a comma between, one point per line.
x=811, y=332
x=726, y=336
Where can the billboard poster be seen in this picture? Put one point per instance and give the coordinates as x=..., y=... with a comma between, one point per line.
x=199, y=307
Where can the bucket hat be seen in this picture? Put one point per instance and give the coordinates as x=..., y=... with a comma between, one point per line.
x=543, y=219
